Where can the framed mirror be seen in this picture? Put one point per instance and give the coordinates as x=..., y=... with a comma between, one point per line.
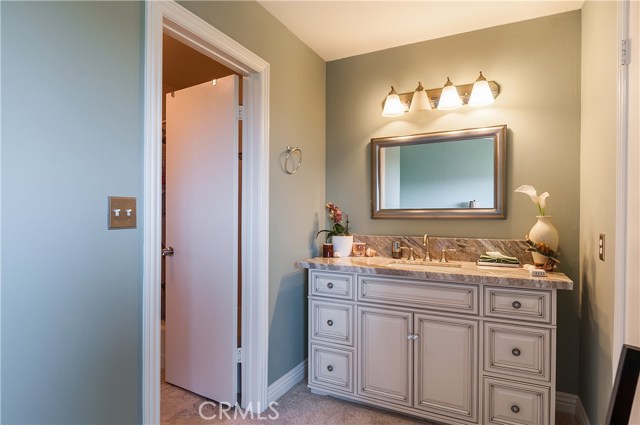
x=450, y=174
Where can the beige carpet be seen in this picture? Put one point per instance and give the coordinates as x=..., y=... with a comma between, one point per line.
x=297, y=407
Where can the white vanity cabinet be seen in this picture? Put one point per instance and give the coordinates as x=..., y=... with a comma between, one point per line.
x=450, y=352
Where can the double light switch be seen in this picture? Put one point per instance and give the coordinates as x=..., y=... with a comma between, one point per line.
x=122, y=212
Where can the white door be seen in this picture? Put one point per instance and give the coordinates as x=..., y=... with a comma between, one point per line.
x=202, y=228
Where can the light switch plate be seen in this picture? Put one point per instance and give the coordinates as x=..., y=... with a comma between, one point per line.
x=601, y=246
x=122, y=212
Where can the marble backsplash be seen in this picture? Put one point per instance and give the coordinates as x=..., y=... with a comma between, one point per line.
x=466, y=249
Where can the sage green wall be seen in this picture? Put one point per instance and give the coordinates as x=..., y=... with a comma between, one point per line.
x=296, y=202
x=72, y=78
x=537, y=65
x=597, y=203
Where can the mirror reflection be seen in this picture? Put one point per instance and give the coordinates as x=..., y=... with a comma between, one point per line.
x=448, y=174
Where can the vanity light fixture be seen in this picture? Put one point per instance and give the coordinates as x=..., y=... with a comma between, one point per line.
x=392, y=106
x=449, y=99
x=481, y=93
x=420, y=100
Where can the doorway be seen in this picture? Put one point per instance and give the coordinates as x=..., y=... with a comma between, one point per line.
x=182, y=25
x=201, y=260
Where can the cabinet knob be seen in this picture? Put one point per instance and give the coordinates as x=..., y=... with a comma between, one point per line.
x=330, y=369
x=409, y=336
x=515, y=352
x=330, y=285
x=515, y=408
x=330, y=322
x=516, y=305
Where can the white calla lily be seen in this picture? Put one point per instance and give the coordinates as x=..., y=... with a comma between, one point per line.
x=540, y=201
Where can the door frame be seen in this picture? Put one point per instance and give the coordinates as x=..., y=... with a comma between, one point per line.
x=169, y=17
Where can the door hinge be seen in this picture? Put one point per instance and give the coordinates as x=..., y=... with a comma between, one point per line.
x=625, y=52
x=239, y=355
x=240, y=113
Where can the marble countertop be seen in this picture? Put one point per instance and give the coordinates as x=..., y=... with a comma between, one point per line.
x=468, y=272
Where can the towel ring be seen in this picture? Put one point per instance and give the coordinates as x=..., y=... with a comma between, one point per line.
x=290, y=158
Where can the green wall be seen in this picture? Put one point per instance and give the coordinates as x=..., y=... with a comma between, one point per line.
x=537, y=65
x=296, y=202
x=72, y=78
x=72, y=134
x=598, y=204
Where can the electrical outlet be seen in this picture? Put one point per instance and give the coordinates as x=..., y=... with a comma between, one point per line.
x=601, y=246
x=122, y=212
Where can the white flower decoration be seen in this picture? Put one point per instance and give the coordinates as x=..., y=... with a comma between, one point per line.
x=540, y=201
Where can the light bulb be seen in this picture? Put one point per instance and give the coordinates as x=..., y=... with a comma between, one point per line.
x=392, y=105
x=420, y=100
x=449, y=99
x=481, y=94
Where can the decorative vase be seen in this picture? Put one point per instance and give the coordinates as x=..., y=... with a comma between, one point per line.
x=342, y=245
x=543, y=232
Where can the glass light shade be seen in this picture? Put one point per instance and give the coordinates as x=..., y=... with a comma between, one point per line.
x=449, y=99
x=481, y=93
x=420, y=100
x=392, y=105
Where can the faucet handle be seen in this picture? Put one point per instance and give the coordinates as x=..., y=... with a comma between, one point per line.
x=444, y=254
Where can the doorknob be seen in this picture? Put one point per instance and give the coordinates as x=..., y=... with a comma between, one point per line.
x=167, y=252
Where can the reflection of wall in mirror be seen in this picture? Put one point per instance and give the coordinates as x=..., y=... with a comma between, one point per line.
x=390, y=181
x=443, y=175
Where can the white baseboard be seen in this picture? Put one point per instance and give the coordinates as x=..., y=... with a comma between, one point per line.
x=570, y=403
x=581, y=414
x=566, y=403
x=286, y=382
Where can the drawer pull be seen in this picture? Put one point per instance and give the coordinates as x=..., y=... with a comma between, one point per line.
x=330, y=369
x=515, y=352
x=515, y=408
x=330, y=285
x=330, y=322
x=516, y=305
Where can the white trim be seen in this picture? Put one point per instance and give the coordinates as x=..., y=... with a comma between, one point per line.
x=581, y=414
x=566, y=403
x=570, y=403
x=169, y=16
x=286, y=382
x=618, y=332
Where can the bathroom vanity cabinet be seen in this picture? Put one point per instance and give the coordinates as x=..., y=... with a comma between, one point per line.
x=455, y=348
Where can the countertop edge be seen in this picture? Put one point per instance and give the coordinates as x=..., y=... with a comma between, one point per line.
x=517, y=278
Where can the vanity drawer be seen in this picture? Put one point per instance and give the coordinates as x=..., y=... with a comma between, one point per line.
x=518, y=350
x=327, y=284
x=332, y=368
x=460, y=298
x=508, y=402
x=518, y=304
x=332, y=322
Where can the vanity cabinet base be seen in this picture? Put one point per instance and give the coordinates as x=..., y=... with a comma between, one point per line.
x=450, y=353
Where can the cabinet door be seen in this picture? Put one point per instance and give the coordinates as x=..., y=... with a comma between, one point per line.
x=446, y=366
x=385, y=360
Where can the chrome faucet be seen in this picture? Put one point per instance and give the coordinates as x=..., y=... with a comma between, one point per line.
x=425, y=244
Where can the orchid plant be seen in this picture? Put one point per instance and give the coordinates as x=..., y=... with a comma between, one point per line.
x=335, y=215
x=540, y=201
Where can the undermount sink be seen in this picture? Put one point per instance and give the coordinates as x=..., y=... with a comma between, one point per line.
x=419, y=265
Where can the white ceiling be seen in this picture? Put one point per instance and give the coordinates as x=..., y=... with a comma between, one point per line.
x=339, y=29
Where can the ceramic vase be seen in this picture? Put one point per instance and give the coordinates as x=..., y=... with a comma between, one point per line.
x=342, y=245
x=543, y=232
